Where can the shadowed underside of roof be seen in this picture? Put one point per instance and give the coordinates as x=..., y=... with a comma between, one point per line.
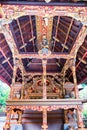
x=64, y=33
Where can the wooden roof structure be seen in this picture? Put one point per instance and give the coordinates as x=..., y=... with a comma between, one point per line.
x=22, y=27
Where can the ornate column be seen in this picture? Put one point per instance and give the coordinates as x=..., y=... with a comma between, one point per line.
x=79, y=117
x=75, y=82
x=13, y=81
x=44, y=126
x=7, y=124
x=44, y=79
x=22, y=90
x=63, y=89
x=19, y=117
x=65, y=117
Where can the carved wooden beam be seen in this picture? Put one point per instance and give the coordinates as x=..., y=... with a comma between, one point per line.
x=79, y=40
x=36, y=55
x=49, y=29
x=36, y=73
x=79, y=62
x=15, y=11
x=41, y=95
x=39, y=29
x=44, y=62
x=44, y=28
x=60, y=103
x=10, y=40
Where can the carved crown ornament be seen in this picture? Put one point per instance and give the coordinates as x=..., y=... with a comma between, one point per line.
x=10, y=12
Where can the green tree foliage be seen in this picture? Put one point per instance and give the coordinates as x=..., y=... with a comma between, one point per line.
x=85, y=110
x=4, y=93
x=85, y=113
x=83, y=95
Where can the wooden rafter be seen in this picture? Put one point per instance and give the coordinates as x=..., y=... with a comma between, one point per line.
x=79, y=62
x=84, y=48
x=6, y=71
x=67, y=34
x=56, y=31
x=6, y=58
x=32, y=33
x=20, y=29
x=79, y=41
x=21, y=34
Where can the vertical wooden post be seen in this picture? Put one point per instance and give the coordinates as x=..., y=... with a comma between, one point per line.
x=22, y=90
x=79, y=117
x=13, y=81
x=19, y=117
x=7, y=124
x=44, y=79
x=44, y=126
x=63, y=90
x=65, y=117
x=75, y=82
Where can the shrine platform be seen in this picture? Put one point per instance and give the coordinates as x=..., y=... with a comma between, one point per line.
x=41, y=102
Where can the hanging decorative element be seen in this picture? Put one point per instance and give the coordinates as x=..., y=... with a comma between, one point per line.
x=47, y=1
x=69, y=86
x=44, y=52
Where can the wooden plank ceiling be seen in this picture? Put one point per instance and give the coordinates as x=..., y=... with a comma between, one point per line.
x=49, y=0
x=61, y=31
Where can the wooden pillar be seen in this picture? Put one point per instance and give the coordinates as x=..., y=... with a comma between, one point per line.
x=19, y=117
x=13, y=81
x=63, y=89
x=44, y=79
x=79, y=117
x=44, y=126
x=7, y=124
x=65, y=117
x=22, y=89
x=75, y=82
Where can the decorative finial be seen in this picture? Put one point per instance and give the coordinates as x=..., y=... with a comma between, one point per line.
x=47, y=1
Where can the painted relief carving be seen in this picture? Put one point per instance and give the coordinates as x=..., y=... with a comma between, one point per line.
x=34, y=89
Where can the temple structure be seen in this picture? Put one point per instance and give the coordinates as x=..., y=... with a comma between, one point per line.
x=43, y=56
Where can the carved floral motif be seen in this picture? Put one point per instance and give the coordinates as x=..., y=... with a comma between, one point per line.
x=15, y=11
